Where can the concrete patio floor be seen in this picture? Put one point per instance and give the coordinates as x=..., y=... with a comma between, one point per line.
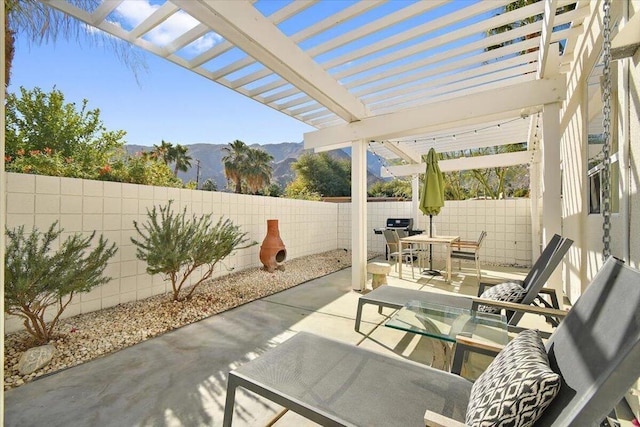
x=179, y=378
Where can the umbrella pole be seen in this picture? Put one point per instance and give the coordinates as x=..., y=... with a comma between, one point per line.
x=431, y=271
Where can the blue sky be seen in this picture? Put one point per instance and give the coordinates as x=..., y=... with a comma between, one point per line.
x=170, y=102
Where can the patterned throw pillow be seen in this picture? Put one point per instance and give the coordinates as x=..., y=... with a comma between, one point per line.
x=517, y=386
x=508, y=291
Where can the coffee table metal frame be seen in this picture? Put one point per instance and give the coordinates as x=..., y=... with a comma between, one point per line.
x=466, y=329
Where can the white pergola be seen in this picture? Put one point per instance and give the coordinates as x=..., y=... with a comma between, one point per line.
x=395, y=77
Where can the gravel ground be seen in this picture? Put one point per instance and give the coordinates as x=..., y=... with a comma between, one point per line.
x=87, y=336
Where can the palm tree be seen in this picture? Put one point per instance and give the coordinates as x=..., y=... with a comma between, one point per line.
x=258, y=169
x=41, y=24
x=182, y=161
x=162, y=151
x=515, y=5
x=513, y=25
x=234, y=162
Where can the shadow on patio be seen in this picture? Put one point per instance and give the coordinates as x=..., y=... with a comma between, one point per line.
x=179, y=378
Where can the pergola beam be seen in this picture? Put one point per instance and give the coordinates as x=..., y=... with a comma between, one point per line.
x=402, y=151
x=156, y=18
x=452, y=71
x=226, y=46
x=463, y=163
x=627, y=42
x=545, y=37
x=105, y=8
x=444, y=39
x=189, y=37
x=244, y=26
x=451, y=111
x=331, y=21
x=349, y=37
x=458, y=83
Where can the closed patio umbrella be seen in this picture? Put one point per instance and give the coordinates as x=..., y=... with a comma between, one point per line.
x=432, y=197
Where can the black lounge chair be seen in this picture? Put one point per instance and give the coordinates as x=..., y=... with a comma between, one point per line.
x=595, y=350
x=396, y=298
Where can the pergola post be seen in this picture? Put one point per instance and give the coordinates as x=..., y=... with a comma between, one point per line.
x=534, y=187
x=359, y=214
x=533, y=142
x=415, y=198
x=3, y=216
x=551, y=193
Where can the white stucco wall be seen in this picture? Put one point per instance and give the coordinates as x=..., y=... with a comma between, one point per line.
x=574, y=163
x=633, y=102
x=633, y=176
x=585, y=257
x=306, y=227
x=110, y=208
x=507, y=223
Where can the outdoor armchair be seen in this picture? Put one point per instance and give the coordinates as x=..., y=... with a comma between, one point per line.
x=592, y=358
x=468, y=250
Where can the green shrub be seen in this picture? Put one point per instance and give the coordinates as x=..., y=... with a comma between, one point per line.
x=140, y=168
x=176, y=246
x=37, y=277
x=393, y=188
x=209, y=185
x=46, y=162
x=40, y=122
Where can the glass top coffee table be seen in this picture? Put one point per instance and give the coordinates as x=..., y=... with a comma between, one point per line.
x=469, y=330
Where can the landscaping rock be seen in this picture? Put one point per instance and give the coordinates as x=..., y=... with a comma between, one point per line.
x=35, y=358
x=86, y=336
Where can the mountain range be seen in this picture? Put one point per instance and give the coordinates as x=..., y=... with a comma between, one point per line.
x=284, y=154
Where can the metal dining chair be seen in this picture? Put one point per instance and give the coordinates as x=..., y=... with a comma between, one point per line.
x=468, y=250
x=393, y=245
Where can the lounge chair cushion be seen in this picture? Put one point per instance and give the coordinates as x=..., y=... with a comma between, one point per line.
x=508, y=291
x=517, y=386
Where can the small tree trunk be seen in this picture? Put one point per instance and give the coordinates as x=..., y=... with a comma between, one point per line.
x=9, y=48
x=61, y=307
x=175, y=287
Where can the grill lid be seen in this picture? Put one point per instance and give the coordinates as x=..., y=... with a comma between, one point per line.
x=403, y=223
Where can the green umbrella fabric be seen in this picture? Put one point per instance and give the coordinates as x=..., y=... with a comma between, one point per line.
x=432, y=197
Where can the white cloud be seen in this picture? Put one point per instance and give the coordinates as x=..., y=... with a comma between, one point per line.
x=133, y=13
x=205, y=43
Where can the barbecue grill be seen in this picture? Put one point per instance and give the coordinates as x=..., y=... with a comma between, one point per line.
x=398, y=224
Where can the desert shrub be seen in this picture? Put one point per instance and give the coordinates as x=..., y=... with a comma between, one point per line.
x=37, y=277
x=209, y=185
x=175, y=245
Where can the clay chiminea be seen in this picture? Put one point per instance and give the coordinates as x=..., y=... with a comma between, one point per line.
x=272, y=252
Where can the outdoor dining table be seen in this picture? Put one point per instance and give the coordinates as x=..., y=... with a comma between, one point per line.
x=421, y=239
